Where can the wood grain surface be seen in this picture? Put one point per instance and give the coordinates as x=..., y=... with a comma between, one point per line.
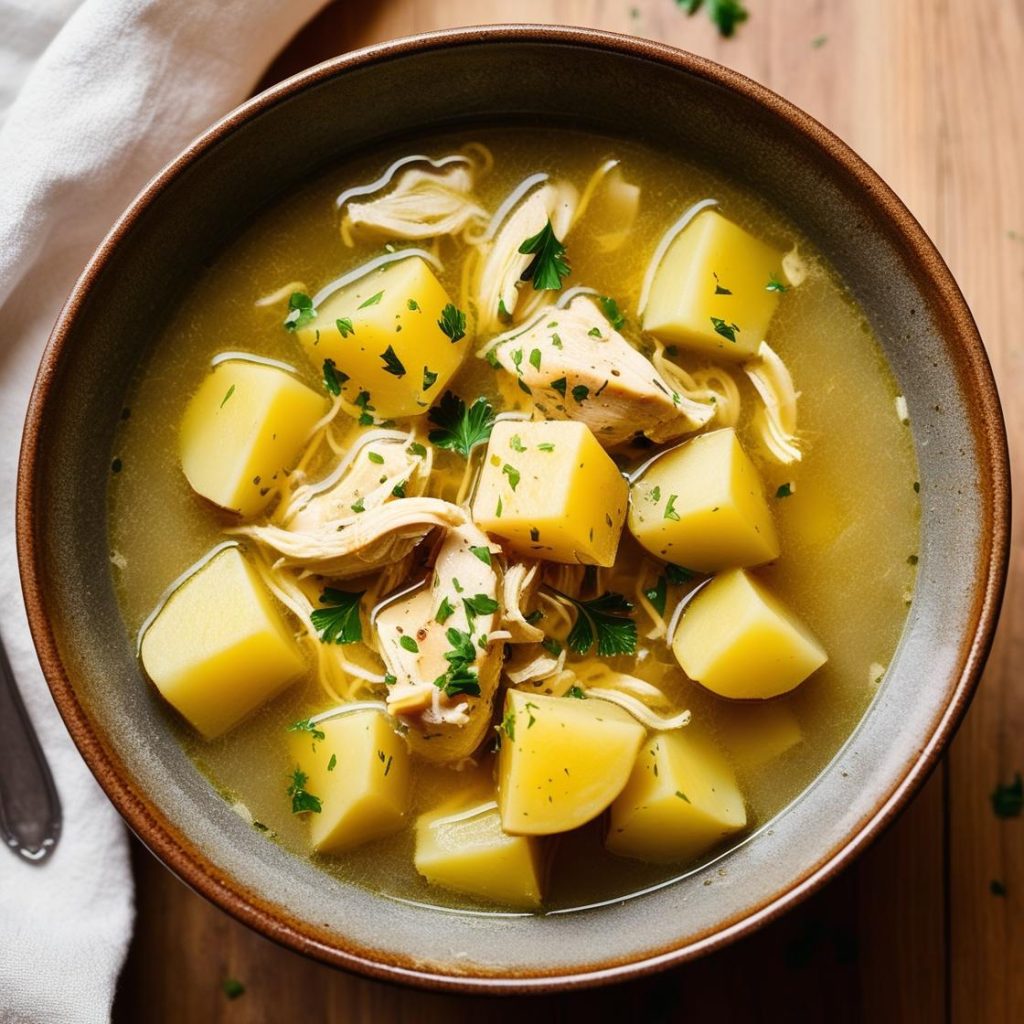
x=931, y=93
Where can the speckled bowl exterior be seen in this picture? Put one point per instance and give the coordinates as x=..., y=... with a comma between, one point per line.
x=585, y=79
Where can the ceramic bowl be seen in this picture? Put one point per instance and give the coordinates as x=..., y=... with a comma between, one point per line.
x=581, y=78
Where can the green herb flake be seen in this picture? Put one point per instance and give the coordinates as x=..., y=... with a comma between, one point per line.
x=682, y=795
x=1008, y=800
x=576, y=692
x=513, y=475
x=656, y=594
x=725, y=14
x=719, y=288
x=407, y=643
x=559, y=385
x=392, y=364
x=300, y=311
x=232, y=988
x=508, y=725
x=552, y=646
x=371, y=301
x=417, y=449
x=339, y=622
x=612, y=312
x=545, y=446
x=429, y=378
x=301, y=800
x=483, y=553
x=412, y=305
x=605, y=621
x=556, y=341
x=549, y=264
x=333, y=378
x=784, y=490
x=912, y=559
x=677, y=575
x=460, y=429
x=594, y=332
x=376, y=458
x=516, y=443
x=398, y=491
x=670, y=509
x=230, y=392
x=359, y=505
x=535, y=358
x=775, y=285
x=307, y=725
x=344, y=325
x=333, y=763
x=581, y=393
x=452, y=322
x=445, y=610
x=727, y=331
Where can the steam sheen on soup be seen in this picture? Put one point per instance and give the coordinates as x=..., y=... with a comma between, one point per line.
x=517, y=523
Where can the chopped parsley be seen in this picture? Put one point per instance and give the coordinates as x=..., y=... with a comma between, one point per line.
x=483, y=553
x=612, y=312
x=594, y=332
x=308, y=725
x=460, y=429
x=233, y=988
x=670, y=508
x=513, y=475
x=301, y=800
x=549, y=265
x=508, y=725
x=605, y=621
x=682, y=795
x=581, y=392
x=344, y=326
x=459, y=677
x=559, y=385
x=371, y=301
x=376, y=458
x=719, y=288
x=417, y=449
x=577, y=692
x=333, y=378
x=727, y=331
x=392, y=364
x=516, y=443
x=545, y=446
x=1008, y=800
x=677, y=575
x=333, y=763
x=552, y=646
x=535, y=358
x=775, y=285
x=412, y=305
x=726, y=14
x=407, y=643
x=480, y=604
x=784, y=491
x=398, y=490
x=300, y=311
x=453, y=322
x=429, y=378
x=656, y=594
x=231, y=391
x=339, y=623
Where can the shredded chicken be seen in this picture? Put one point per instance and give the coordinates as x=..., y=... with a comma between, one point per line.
x=499, y=291
x=532, y=663
x=422, y=204
x=361, y=542
x=415, y=637
x=576, y=366
x=712, y=386
x=518, y=589
x=775, y=419
x=608, y=206
x=646, y=703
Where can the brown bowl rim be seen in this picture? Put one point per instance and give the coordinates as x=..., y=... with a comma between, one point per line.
x=972, y=366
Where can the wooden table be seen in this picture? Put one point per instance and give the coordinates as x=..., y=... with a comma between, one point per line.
x=931, y=93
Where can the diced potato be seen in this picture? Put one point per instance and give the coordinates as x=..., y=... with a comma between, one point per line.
x=360, y=773
x=562, y=761
x=466, y=851
x=550, y=491
x=392, y=347
x=710, y=292
x=243, y=430
x=219, y=647
x=702, y=506
x=681, y=801
x=740, y=641
x=755, y=734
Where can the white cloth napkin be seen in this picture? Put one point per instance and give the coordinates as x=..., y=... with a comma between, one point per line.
x=95, y=97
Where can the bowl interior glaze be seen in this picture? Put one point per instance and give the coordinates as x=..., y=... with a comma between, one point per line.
x=583, y=79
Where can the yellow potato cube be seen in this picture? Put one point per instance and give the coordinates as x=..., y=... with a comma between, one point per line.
x=562, y=761
x=219, y=647
x=711, y=290
x=382, y=332
x=740, y=641
x=681, y=801
x=550, y=491
x=466, y=851
x=243, y=430
x=702, y=506
x=358, y=767
x=755, y=734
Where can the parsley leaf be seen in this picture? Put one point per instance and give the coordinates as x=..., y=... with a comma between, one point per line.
x=453, y=322
x=513, y=475
x=301, y=800
x=656, y=594
x=300, y=311
x=392, y=364
x=344, y=326
x=307, y=725
x=577, y=692
x=444, y=611
x=429, y=377
x=559, y=386
x=484, y=554
x=603, y=620
x=677, y=575
x=407, y=643
x=232, y=988
x=612, y=312
x=460, y=429
x=727, y=331
x=230, y=392
x=775, y=285
x=333, y=378
x=1008, y=800
x=581, y=393
x=339, y=623
x=549, y=265
x=371, y=301
x=726, y=14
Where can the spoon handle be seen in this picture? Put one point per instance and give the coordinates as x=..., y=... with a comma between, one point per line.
x=30, y=816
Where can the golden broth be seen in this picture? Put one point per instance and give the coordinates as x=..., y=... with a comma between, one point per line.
x=848, y=532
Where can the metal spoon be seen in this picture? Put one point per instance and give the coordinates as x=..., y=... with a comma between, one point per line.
x=30, y=816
